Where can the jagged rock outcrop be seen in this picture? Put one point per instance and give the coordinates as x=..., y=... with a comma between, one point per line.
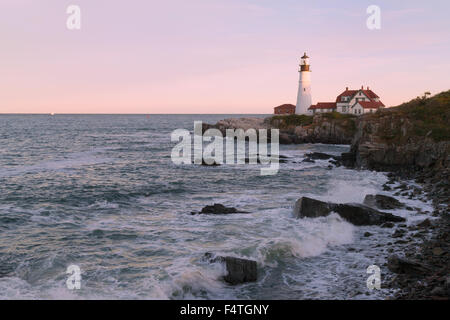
x=386, y=142
x=218, y=208
x=238, y=270
x=323, y=129
x=237, y=123
x=411, y=140
x=330, y=129
x=357, y=214
x=382, y=202
x=402, y=265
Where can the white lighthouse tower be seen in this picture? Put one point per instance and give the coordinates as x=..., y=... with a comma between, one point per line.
x=304, y=87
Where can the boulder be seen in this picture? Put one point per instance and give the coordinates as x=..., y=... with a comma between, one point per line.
x=319, y=156
x=311, y=157
x=387, y=225
x=354, y=213
x=238, y=270
x=382, y=202
x=424, y=224
x=213, y=164
x=311, y=208
x=218, y=208
x=401, y=265
x=265, y=158
x=398, y=233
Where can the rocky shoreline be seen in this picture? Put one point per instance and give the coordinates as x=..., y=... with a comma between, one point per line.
x=422, y=270
x=411, y=142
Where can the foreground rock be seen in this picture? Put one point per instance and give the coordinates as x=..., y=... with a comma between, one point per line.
x=382, y=202
x=239, y=270
x=356, y=214
x=424, y=272
x=401, y=265
x=218, y=208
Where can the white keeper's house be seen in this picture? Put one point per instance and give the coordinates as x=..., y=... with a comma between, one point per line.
x=350, y=101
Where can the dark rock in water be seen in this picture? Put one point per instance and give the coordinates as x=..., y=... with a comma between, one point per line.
x=401, y=265
x=311, y=157
x=354, y=213
x=348, y=159
x=259, y=159
x=337, y=163
x=398, y=233
x=361, y=215
x=204, y=163
x=319, y=156
x=367, y=234
x=382, y=202
x=387, y=225
x=424, y=224
x=239, y=270
x=311, y=208
x=218, y=208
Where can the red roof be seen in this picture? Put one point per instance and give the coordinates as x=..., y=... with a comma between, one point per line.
x=323, y=105
x=346, y=93
x=371, y=104
x=350, y=93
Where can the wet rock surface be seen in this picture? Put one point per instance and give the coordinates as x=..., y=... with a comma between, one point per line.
x=238, y=270
x=402, y=265
x=382, y=202
x=423, y=272
x=357, y=214
x=218, y=208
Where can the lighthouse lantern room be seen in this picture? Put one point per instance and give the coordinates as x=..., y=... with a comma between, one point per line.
x=304, y=88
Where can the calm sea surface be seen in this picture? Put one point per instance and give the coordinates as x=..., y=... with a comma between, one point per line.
x=101, y=192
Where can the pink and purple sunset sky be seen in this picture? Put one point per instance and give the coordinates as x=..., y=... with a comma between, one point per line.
x=214, y=56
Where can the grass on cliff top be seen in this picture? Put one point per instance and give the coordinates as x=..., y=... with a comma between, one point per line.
x=430, y=116
x=292, y=120
x=338, y=115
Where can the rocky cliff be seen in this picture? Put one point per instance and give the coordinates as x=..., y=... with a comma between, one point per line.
x=332, y=128
x=412, y=140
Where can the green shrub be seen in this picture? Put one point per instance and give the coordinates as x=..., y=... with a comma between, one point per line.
x=429, y=116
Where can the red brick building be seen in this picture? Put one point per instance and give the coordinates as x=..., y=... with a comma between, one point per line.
x=285, y=109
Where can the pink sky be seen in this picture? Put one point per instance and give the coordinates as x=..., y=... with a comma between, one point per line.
x=207, y=56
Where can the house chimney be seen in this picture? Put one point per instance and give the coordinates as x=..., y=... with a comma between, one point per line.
x=346, y=88
x=367, y=87
x=362, y=87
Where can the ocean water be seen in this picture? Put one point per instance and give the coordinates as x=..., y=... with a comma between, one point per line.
x=101, y=192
